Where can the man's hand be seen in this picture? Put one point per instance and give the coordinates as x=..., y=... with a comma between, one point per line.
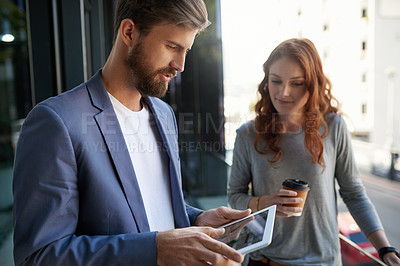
x=194, y=246
x=232, y=232
x=220, y=216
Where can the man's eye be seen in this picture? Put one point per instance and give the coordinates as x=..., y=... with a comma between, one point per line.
x=171, y=47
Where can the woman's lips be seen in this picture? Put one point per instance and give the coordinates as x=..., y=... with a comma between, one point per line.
x=284, y=101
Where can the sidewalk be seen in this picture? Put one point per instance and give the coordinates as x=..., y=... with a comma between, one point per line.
x=381, y=184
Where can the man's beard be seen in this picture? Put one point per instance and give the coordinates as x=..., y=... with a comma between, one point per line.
x=142, y=76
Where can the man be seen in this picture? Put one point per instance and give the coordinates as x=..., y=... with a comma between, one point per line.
x=97, y=175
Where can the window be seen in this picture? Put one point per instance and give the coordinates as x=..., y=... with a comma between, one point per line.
x=15, y=103
x=364, y=108
x=364, y=13
x=15, y=90
x=364, y=45
x=364, y=77
x=325, y=54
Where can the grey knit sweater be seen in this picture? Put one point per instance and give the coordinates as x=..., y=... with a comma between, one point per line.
x=312, y=238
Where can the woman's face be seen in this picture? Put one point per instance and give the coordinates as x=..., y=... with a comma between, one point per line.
x=286, y=85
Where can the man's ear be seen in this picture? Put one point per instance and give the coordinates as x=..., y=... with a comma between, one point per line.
x=128, y=32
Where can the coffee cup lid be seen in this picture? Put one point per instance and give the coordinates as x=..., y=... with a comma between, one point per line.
x=296, y=184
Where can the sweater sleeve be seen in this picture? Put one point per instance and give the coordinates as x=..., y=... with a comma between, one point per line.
x=241, y=176
x=351, y=188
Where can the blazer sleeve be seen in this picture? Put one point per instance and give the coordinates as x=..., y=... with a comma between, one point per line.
x=192, y=213
x=46, y=204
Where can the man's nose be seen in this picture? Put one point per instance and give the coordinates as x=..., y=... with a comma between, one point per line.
x=178, y=62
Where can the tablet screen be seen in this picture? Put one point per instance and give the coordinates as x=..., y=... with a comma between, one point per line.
x=247, y=232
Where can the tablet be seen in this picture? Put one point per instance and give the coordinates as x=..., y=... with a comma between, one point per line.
x=250, y=233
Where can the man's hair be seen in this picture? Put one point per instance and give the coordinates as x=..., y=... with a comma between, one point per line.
x=148, y=13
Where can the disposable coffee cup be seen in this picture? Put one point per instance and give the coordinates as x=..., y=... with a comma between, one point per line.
x=299, y=186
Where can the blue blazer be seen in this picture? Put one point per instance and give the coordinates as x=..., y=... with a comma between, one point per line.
x=76, y=197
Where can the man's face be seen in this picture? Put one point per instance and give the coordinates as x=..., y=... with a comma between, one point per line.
x=157, y=57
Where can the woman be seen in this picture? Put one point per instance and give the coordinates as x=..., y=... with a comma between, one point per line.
x=298, y=133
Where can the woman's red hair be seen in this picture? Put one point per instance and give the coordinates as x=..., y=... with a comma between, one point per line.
x=319, y=104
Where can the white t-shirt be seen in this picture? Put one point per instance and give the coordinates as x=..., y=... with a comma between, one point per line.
x=150, y=162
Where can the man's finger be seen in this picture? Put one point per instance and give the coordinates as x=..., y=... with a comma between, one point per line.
x=232, y=214
x=217, y=246
x=212, y=232
x=223, y=249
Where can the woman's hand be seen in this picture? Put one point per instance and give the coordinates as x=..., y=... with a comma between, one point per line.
x=391, y=259
x=279, y=198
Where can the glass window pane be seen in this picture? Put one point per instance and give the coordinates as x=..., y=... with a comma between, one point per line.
x=15, y=91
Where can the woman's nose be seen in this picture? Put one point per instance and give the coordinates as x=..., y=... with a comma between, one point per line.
x=285, y=90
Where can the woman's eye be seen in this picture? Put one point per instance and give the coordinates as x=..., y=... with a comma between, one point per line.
x=276, y=81
x=298, y=84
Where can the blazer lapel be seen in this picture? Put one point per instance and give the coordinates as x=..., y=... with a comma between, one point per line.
x=168, y=131
x=114, y=139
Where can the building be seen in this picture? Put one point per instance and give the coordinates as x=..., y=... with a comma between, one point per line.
x=359, y=43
